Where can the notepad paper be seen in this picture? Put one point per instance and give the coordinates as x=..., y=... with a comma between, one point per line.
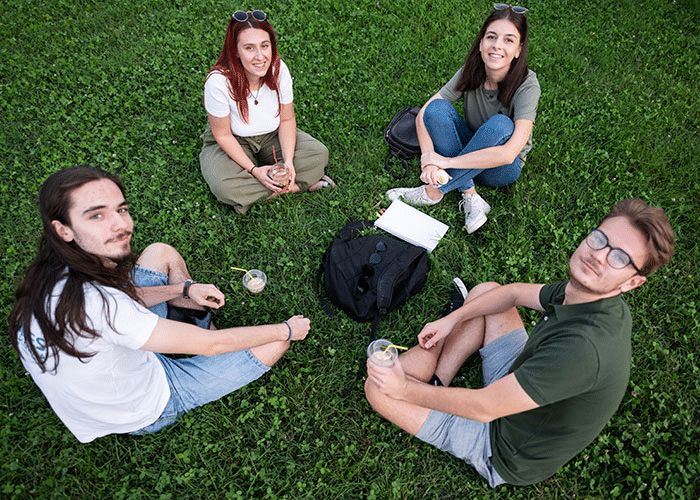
x=412, y=225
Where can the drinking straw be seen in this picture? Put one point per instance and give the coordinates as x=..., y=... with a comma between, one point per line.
x=396, y=346
x=274, y=155
x=247, y=272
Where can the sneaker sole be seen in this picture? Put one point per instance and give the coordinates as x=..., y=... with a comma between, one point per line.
x=480, y=222
x=461, y=286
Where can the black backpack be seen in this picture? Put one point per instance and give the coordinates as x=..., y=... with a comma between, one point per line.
x=402, y=139
x=370, y=276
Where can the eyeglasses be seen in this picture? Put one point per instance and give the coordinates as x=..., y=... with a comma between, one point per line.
x=515, y=8
x=363, y=284
x=242, y=16
x=617, y=257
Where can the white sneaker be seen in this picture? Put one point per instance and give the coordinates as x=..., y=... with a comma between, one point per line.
x=415, y=196
x=475, y=210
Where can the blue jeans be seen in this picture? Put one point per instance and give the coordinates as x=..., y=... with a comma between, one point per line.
x=451, y=138
x=468, y=439
x=197, y=380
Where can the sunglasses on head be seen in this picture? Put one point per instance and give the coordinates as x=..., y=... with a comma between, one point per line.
x=242, y=16
x=515, y=8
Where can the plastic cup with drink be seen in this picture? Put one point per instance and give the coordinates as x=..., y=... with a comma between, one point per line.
x=382, y=352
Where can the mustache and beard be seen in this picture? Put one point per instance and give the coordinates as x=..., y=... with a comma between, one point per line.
x=127, y=256
x=594, y=265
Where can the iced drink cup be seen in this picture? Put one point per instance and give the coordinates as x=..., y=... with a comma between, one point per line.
x=442, y=177
x=254, y=280
x=381, y=354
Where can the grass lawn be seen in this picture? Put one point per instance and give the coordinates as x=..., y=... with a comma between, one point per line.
x=119, y=84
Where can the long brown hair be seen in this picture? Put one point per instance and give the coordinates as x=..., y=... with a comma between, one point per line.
x=229, y=64
x=57, y=259
x=474, y=70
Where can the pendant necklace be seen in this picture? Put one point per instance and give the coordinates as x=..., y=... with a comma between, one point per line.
x=255, y=97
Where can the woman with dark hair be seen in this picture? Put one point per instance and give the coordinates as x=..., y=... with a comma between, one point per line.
x=500, y=103
x=252, y=126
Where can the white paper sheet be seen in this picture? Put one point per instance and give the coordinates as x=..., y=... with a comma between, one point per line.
x=412, y=225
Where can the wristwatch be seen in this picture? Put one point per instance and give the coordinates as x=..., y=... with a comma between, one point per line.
x=186, y=288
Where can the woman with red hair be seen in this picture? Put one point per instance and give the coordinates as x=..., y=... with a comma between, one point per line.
x=252, y=126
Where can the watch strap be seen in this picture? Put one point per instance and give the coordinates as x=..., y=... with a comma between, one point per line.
x=186, y=288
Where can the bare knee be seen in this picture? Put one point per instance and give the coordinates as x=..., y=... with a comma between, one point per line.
x=269, y=354
x=163, y=258
x=371, y=393
x=481, y=289
x=155, y=252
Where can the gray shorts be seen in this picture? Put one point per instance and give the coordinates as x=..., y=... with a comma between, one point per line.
x=468, y=439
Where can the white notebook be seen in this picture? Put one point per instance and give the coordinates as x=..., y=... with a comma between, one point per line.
x=412, y=225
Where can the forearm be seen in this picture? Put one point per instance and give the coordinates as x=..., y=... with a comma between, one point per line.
x=461, y=402
x=152, y=295
x=287, y=134
x=424, y=139
x=501, y=398
x=172, y=337
x=482, y=159
x=244, y=337
x=233, y=149
x=500, y=299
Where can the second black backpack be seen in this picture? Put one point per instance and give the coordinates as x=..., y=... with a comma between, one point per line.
x=402, y=139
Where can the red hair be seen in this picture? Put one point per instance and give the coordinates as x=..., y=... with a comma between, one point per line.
x=229, y=64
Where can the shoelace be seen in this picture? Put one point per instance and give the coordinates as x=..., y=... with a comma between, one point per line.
x=463, y=203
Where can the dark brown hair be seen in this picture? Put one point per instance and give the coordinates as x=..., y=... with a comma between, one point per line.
x=474, y=71
x=56, y=260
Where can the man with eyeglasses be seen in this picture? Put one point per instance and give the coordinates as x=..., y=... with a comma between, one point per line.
x=546, y=395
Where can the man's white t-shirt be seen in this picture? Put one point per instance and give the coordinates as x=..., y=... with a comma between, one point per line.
x=263, y=117
x=118, y=390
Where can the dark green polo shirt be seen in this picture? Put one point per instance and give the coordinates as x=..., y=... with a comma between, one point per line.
x=576, y=366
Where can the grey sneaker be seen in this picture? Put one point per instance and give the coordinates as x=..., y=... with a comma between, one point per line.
x=415, y=196
x=475, y=210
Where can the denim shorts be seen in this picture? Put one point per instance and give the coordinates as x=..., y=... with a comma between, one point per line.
x=143, y=277
x=468, y=439
x=197, y=380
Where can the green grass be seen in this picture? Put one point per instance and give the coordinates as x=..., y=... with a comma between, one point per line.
x=118, y=85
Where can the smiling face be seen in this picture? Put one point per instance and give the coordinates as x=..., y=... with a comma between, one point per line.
x=499, y=46
x=589, y=271
x=254, y=49
x=99, y=219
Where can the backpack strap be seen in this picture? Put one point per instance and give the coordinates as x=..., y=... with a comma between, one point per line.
x=319, y=274
x=390, y=170
x=385, y=285
x=353, y=228
x=358, y=374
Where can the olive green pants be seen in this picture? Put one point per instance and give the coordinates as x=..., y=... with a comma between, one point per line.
x=233, y=185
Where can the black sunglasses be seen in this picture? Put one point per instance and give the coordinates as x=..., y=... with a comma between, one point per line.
x=242, y=16
x=363, y=285
x=515, y=8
